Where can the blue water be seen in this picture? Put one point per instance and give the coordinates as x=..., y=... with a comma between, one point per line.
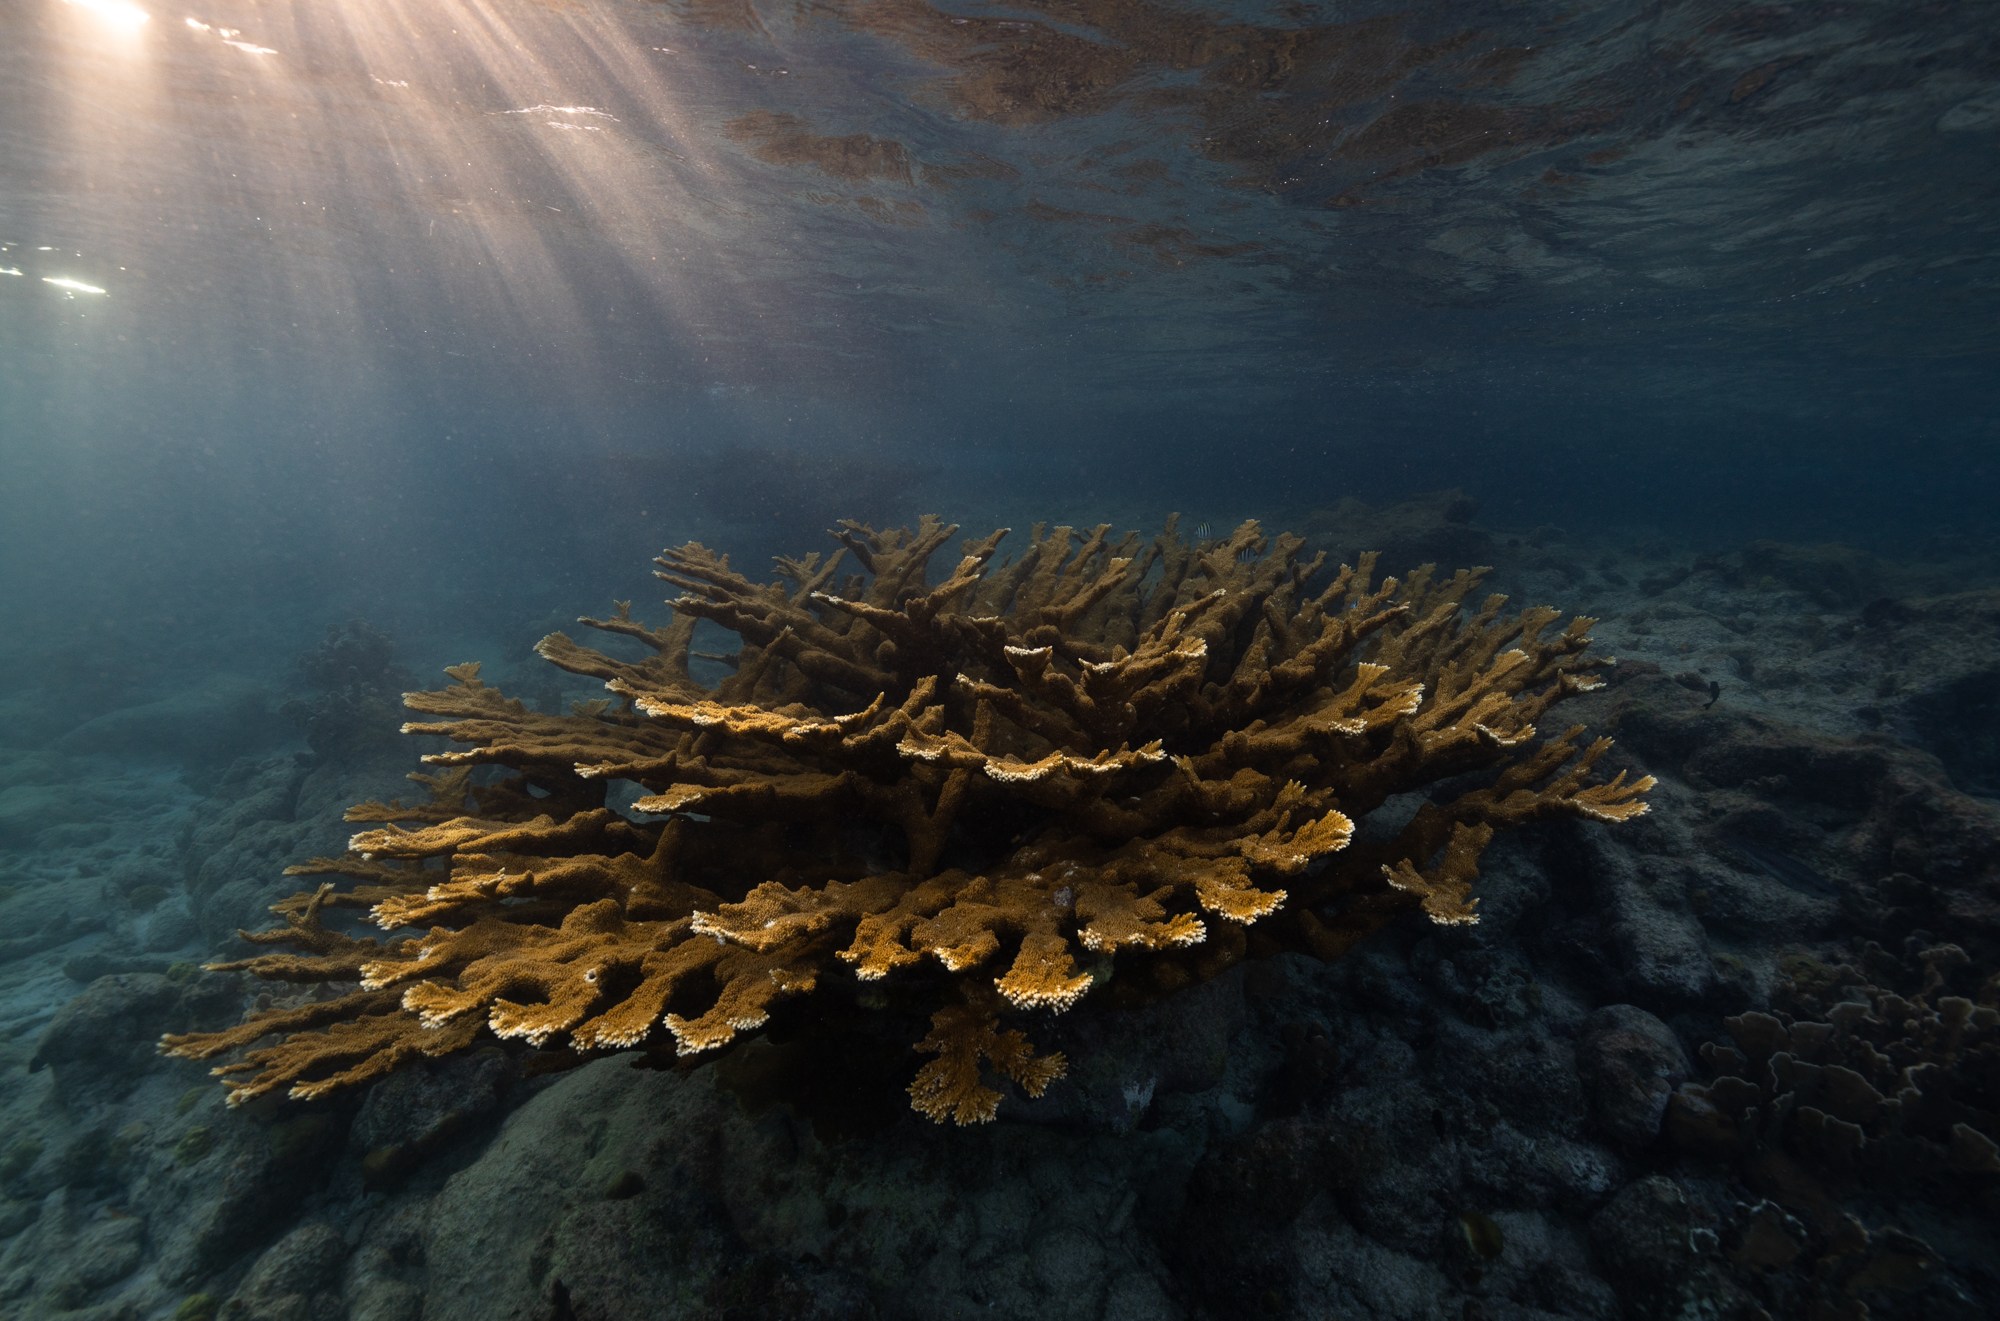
x=360, y=288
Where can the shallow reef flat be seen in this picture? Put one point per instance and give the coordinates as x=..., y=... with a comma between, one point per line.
x=1739, y=1056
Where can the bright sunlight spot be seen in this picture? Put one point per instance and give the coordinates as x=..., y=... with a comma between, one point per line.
x=118, y=13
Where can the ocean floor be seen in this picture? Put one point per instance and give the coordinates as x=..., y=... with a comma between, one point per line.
x=1739, y=1058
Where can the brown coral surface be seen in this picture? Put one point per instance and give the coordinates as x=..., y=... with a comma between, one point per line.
x=981, y=790
x=1857, y=1078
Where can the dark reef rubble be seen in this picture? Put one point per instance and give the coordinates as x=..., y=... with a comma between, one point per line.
x=1736, y=1059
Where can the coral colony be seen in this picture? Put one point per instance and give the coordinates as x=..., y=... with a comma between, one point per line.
x=969, y=798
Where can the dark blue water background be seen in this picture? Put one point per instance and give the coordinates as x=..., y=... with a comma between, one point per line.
x=451, y=314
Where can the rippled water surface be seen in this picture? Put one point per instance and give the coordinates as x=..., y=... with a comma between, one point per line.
x=1694, y=260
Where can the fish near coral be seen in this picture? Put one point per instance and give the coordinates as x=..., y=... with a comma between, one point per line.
x=972, y=791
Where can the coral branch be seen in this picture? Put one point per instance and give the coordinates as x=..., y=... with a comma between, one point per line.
x=969, y=790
